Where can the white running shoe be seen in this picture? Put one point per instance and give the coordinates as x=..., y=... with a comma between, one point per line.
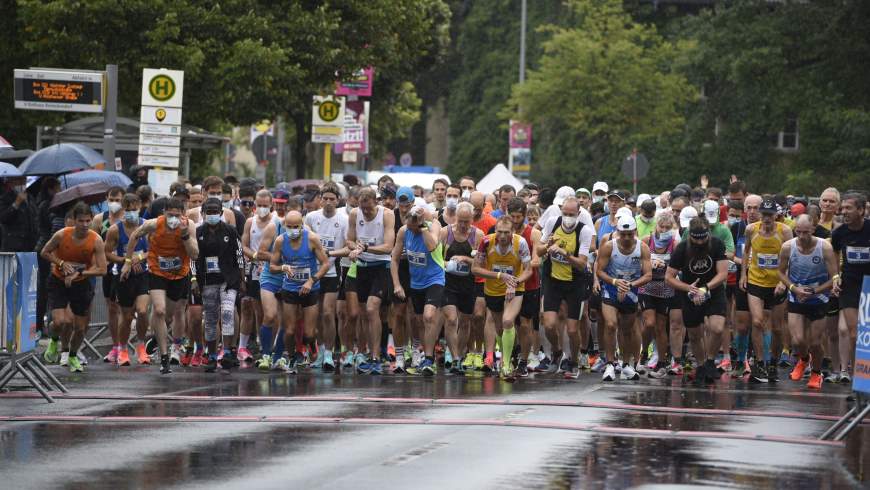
x=175, y=354
x=584, y=361
x=653, y=361
x=640, y=369
x=533, y=362
x=82, y=358
x=64, y=358
x=416, y=358
x=609, y=373
x=628, y=373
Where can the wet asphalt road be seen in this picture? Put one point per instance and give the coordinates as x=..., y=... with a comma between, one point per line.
x=252, y=430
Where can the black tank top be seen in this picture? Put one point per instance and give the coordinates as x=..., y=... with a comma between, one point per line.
x=452, y=281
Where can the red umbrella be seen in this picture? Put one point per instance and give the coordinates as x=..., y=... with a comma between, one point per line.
x=90, y=193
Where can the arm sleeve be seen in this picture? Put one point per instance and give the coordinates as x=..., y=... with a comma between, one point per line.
x=586, y=219
x=585, y=240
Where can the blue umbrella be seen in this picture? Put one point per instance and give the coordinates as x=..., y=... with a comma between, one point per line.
x=109, y=177
x=9, y=170
x=60, y=159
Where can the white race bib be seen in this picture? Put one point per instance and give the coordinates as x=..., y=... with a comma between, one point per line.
x=327, y=242
x=212, y=265
x=768, y=261
x=504, y=269
x=300, y=274
x=858, y=255
x=417, y=259
x=169, y=264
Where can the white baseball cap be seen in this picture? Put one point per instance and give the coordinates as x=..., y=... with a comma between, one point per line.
x=711, y=211
x=686, y=215
x=625, y=223
x=643, y=198
x=624, y=211
x=563, y=193
x=600, y=186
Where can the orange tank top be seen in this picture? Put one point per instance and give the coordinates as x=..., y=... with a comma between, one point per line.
x=79, y=254
x=167, y=256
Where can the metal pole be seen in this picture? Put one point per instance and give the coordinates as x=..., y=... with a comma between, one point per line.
x=279, y=157
x=38, y=138
x=327, y=161
x=187, y=164
x=111, y=115
x=857, y=420
x=523, y=17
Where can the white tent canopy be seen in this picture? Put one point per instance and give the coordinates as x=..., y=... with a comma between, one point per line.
x=497, y=177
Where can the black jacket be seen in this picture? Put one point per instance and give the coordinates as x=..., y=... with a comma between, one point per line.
x=17, y=224
x=223, y=242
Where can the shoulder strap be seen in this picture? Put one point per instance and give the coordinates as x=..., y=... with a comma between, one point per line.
x=450, y=235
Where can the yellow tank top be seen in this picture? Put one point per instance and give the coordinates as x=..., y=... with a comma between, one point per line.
x=765, y=258
x=509, y=263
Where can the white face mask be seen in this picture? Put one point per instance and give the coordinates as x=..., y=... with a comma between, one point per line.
x=131, y=216
x=597, y=198
x=227, y=204
x=452, y=202
x=216, y=196
x=212, y=219
x=114, y=207
x=466, y=195
x=263, y=211
x=666, y=236
x=172, y=222
x=569, y=222
x=294, y=233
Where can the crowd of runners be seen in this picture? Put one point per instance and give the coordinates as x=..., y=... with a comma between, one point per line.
x=697, y=282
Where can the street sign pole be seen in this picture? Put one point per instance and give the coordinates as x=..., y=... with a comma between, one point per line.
x=111, y=115
x=327, y=161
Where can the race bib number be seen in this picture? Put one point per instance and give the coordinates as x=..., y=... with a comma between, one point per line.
x=732, y=266
x=462, y=268
x=370, y=241
x=662, y=257
x=327, y=242
x=558, y=257
x=768, y=261
x=858, y=255
x=417, y=259
x=300, y=274
x=169, y=264
x=504, y=269
x=212, y=265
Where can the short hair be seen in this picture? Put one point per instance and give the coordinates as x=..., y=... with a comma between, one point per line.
x=714, y=191
x=455, y=185
x=174, y=203
x=226, y=188
x=115, y=190
x=211, y=181
x=130, y=199
x=330, y=187
x=571, y=199
x=468, y=177
x=859, y=199
x=665, y=217
x=680, y=198
x=833, y=190
x=264, y=193
x=247, y=191
x=231, y=179
x=385, y=178
x=181, y=191
x=738, y=205
x=524, y=193
x=195, y=190
x=506, y=188
x=367, y=193
x=354, y=191
x=533, y=210
x=465, y=206
x=145, y=193
x=505, y=219
x=81, y=209
x=294, y=203
x=532, y=187
x=440, y=180
x=516, y=205
x=737, y=186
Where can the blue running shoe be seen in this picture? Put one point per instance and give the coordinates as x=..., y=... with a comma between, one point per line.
x=427, y=367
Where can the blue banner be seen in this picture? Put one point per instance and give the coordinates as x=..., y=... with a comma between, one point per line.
x=20, y=301
x=861, y=379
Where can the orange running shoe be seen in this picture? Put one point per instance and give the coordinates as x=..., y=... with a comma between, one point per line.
x=815, y=381
x=489, y=363
x=141, y=355
x=798, y=372
x=123, y=357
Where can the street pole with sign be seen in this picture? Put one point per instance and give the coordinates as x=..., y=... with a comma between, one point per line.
x=327, y=125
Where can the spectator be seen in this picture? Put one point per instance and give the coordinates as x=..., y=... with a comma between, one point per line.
x=48, y=223
x=18, y=215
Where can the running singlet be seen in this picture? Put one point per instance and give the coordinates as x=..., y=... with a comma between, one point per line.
x=79, y=256
x=455, y=247
x=658, y=287
x=371, y=233
x=510, y=262
x=764, y=263
x=605, y=228
x=167, y=256
x=624, y=267
x=534, y=281
x=427, y=268
x=560, y=266
x=267, y=276
x=302, y=261
x=331, y=232
x=807, y=270
x=123, y=240
x=257, y=266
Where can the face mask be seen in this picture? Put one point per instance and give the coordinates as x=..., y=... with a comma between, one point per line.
x=645, y=219
x=114, y=207
x=227, y=204
x=466, y=195
x=172, y=222
x=569, y=222
x=212, y=219
x=131, y=216
x=263, y=211
x=597, y=198
x=666, y=236
x=294, y=233
x=452, y=202
x=733, y=220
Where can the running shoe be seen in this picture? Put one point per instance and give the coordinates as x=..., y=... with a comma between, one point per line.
x=609, y=373
x=427, y=367
x=142, y=356
x=600, y=364
x=359, y=359
x=657, y=373
x=573, y=371
x=151, y=345
x=123, y=357
x=784, y=359
x=653, y=361
x=468, y=362
x=676, y=369
x=51, y=354
x=725, y=365
x=399, y=368
x=377, y=367
x=593, y=360
x=318, y=361
x=448, y=358
x=640, y=368
x=165, y=364
x=798, y=372
x=556, y=364
x=112, y=356
x=478, y=361
x=533, y=362
x=772, y=373
x=564, y=365
x=265, y=363
x=281, y=364
x=347, y=360
x=758, y=374
x=457, y=369
x=75, y=366
x=84, y=359
x=700, y=374
x=244, y=354
x=366, y=366
x=815, y=382
x=175, y=354
x=211, y=365
x=64, y=359
x=489, y=363
x=416, y=358
x=711, y=374
x=523, y=369
x=628, y=373
x=328, y=365
x=844, y=377
x=186, y=357
x=830, y=378
x=584, y=362
x=543, y=365
x=197, y=360
x=288, y=368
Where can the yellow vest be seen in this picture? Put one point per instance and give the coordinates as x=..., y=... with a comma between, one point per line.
x=506, y=264
x=765, y=258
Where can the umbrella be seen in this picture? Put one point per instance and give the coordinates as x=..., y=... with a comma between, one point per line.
x=109, y=177
x=9, y=170
x=60, y=159
x=90, y=192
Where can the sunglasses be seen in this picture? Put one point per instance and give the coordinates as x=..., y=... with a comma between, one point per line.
x=247, y=204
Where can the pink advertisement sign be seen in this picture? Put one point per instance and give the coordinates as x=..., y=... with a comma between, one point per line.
x=360, y=84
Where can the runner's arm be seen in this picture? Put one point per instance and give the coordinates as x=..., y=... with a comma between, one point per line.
x=389, y=236
x=268, y=237
x=831, y=264
x=249, y=252
x=322, y=258
x=602, y=263
x=397, y=254
x=430, y=235
x=48, y=249
x=112, y=245
x=275, y=262
x=147, y=228
x=98, y=268
x=747, y=253
x=190, y=244
x=721, y=275
x=784, y=255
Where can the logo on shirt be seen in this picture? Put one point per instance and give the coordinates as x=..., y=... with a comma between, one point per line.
x=817, y=260
x=701, y=266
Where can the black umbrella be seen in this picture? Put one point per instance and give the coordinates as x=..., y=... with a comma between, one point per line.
x=60, y=159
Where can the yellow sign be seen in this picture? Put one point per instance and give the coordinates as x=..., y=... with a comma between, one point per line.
x=161, y=88
x=160, y=114
x=329, y=110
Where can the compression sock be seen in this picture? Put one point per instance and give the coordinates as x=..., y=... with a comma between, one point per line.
x=768, y=338
x=508, y=339
x=742, y=342
x=278, y=351
x=266, y=340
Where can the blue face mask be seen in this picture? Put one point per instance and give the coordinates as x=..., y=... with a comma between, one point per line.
x=666, y=236
x=131, y=216
x=212, y=219
x=733, y=220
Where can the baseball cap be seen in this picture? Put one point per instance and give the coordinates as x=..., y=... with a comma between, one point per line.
x=768, y=206
x=405, y=194
x=625, y=223
x=624, y=212
x=563, y=193
x=582, y=190
x=600, y=186
x=618, y=193
x=711, y=211
x=389, y=190
x=686, y=216
x=280, y=195
x=643, y=198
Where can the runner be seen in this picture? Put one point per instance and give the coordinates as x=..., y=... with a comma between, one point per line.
x=77, y=254
x=503, y=260
x=658, y=303
x=829, y=202
x=300, y=257
x=132, y=292
x=439, y=193
x=623, y=266
x=252, y=308
x=565, y=246
x=477, y=344
x=101, y=224
x=212, y=187
x=171, y=249
x=271, y=344
x=418, y=240
x=331, y=227
x=459, y=240
x=760, y=280
x=807, y=266
x=370, y=235
x=400, y=320
x=447, y=215
x=702, y=266
x=531, y=307
x=851, y=241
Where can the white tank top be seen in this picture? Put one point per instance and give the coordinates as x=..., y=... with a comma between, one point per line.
x=332, y=232
x=371, y=233
x=622, y=266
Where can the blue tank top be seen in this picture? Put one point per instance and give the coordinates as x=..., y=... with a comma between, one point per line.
x=303, y=261
x=266, y=276
x=427, y=268
x=605, y=228
x=123, y=240
x=808, y=270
